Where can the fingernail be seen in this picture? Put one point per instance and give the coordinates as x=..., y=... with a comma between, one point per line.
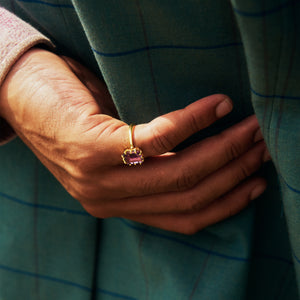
x=257, y=191
x=224, y=108
x=258, y=136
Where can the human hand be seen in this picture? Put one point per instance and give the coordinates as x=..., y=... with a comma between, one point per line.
x=69, y=124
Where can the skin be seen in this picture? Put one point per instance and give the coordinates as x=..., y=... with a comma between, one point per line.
x=66, y=117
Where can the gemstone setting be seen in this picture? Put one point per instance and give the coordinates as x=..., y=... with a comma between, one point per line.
x=133, y=156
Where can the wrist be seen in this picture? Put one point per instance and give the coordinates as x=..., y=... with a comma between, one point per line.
x=26, y=80
x=12, y=83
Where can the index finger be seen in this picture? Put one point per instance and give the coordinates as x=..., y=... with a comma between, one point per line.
x=160, y=135
x=165, y=132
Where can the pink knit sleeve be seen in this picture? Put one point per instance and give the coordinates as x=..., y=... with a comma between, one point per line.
x=16, y=37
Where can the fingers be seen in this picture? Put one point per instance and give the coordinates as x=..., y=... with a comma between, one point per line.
x=221, y=209
x=164, y=133
x=185, y=169
x=205, y=192
x=160, y=135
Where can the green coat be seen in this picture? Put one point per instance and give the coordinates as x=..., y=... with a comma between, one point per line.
x=157, y=56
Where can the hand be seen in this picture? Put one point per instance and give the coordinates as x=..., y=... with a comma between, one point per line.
x=69, y=123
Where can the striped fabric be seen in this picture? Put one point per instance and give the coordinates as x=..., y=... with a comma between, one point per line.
x=157, y=56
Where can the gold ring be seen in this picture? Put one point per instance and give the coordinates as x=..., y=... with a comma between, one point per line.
x=132, y=156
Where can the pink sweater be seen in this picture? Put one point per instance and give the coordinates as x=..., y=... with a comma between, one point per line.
x=16, y=37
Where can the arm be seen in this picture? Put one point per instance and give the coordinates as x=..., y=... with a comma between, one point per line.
x=16, y=37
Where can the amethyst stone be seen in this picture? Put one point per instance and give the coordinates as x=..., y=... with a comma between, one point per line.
x=133, y=156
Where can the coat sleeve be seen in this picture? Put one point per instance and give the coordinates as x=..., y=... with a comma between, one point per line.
x=16, y=37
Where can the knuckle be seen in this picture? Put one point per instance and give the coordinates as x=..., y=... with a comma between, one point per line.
x=248, y=166
x=161, y=143
x=185, y=180
x=194, y=122
x=80, y=159
x=83, y=166
x=232, y=149
x=243, y=172
x=190, y=204
x=76, y=172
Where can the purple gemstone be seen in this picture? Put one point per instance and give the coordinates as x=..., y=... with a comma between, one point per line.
x=133, y=156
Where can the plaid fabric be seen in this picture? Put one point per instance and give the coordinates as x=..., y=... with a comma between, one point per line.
x=157, y=56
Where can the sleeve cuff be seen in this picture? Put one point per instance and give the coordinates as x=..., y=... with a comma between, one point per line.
x=16, y=37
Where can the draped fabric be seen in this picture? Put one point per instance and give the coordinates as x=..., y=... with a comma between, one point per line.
x=157, y=56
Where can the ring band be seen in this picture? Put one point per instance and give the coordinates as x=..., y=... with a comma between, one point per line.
x=132, y=156
x=131, y=127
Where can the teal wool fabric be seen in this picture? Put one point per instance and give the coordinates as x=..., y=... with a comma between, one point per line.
x=157, y=56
